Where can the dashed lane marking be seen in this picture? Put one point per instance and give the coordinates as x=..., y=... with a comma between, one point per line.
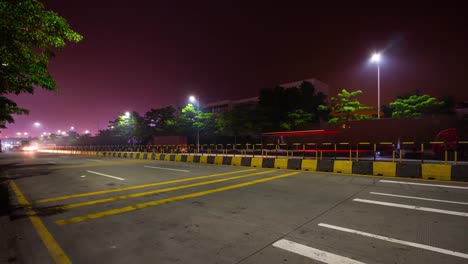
x=397, y=241
x=426, y=184
x=106, y=175
x=314, y=253
x=418, y=198
x=412, y=207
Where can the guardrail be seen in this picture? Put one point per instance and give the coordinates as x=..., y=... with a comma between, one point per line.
x=382, y=151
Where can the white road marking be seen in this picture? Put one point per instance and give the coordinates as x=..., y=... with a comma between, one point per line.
x=105, y=175
x=397, y=241
x=426, y=184
x=313, y=253
x=94, y=160
x=151, y=167
x=82, y=176
x=418, y=198
x=52, y=162
x=419, y=208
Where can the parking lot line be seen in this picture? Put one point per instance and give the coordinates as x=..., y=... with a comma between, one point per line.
x=66, y=197
x=167, y=200
x=134, y=195
x=418, y=198
x=55, y=251
x=313, y=253
x=161, y=168
x=425, y=184
x=397, y=241
x=419, y=208
x=106, y=175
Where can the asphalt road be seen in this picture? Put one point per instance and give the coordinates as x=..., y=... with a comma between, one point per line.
x=110, y=210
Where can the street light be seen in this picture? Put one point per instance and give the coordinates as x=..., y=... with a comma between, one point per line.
x=376, y=59
x=18, y=134
x=127, y=115
x=72, y=128
x=194, y=100
x=37, y=124
x=86, y=132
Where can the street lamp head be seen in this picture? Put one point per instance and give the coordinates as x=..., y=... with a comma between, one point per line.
x=376, y=57
x=127, y=114
x=72, y=128
x=87, y=132
x=37, y=124
x=192, y=99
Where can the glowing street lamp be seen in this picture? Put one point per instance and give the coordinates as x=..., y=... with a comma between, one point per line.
x=25, y=133
x=72, y=128
x=18, y=134
x=194, y=100
x=87, y=132
x=37, y=124
x=127, y=115
x=376, y=57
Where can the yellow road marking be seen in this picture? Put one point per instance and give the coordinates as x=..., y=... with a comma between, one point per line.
x=128, y=196
x=167, y=200
x=55, y=251
x=66, y=197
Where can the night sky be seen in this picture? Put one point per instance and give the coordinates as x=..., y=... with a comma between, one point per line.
x=138, y=55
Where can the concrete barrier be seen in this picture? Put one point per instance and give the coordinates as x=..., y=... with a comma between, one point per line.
x=228, y=161
x=190, y=158
x=309, y=165
x=210, y=159
x=196, y=159
x=281, y=163
x=183, y=158
x=294, y=164
x=178, y=158
x=325, y=165
x=218, y=160
x=363, y=167
x=408, y=170
x=382, y=168
x=237, y=161
x=459, y=173
x=268, y=162
x=256, y=162
x=203, y=159
x=343, y=166
x=436, y=172
x=172, y=157
x=246, y=161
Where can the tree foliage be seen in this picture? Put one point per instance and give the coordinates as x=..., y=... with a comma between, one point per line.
x=415, y=106
x=29, y=36
x=345, y=107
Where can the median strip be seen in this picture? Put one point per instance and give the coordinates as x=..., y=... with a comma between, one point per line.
x=72, y=196
x=167, y=200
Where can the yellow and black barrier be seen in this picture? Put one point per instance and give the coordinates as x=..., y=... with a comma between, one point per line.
x=445, y=172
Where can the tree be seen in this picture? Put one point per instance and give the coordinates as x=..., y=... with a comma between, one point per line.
x=29, y=35
x=277, y=105
x=161, y=121
x=296, y=120
x=415, y=106
x=346, y=108
x=191, y=119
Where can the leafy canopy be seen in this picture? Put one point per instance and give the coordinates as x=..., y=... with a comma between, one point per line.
x=29, y=35
x=414, y=106
x=345, y=107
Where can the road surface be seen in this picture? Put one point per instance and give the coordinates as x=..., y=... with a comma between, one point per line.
x=108, y=210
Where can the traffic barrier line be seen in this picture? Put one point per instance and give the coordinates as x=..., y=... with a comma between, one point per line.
x=55, y=251
x=72, y=196
x=175, y=188
x=167, y=200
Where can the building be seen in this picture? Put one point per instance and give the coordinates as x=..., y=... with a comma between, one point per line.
x=251, y=102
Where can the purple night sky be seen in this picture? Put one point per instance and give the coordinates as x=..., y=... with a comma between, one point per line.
x=147, y=54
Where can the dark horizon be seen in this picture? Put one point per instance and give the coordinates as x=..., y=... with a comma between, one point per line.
x=137, y=58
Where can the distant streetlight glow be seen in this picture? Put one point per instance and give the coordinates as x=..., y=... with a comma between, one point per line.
x=64, y=133
x=376, y=57
x=18, y=134
x=87, y=132
x=37, y=124
x=59, y=131
x=127, y=115
x=72, y=128
x=192, y=99
x=25, y=133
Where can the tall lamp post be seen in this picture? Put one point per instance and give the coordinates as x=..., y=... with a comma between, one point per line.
x=194, y=100
x=376, y=59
